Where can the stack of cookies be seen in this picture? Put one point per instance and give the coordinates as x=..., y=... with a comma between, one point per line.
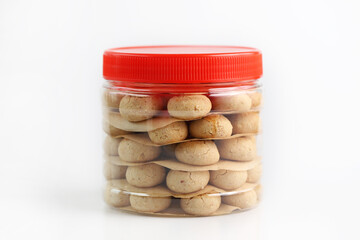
x=182, y=155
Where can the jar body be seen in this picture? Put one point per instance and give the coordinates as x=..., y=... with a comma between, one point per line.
x=182, y=149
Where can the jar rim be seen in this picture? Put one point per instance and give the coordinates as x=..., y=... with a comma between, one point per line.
x=182, y=88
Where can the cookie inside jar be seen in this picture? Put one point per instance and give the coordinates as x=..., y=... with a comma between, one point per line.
x=181, y=134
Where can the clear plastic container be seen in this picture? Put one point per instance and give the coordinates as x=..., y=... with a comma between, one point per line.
x=182, y=125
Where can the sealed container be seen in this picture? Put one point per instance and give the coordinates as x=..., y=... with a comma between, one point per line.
x=182, y=125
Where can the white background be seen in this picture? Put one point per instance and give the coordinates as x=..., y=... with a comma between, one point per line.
x=50, y=125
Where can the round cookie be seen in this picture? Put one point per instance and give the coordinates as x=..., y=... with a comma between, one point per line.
x=171, y=133
x=136, y=109
x=256, y=99
x=233, y=103
x=213, y=126
x=111, y=98
x=115, y=197
x=254, y=174
x=228, y=180
x=187, y=182
x=239, y=149
x=111, y=145
x=246, y=122
x=131, y=151
x=243, y=200
x=149, y=204
x=197, y=153
x=147, y=175
x=113, y=131
x=201, y=205
x=112, y=171
x=252, y=138
x=189, y=107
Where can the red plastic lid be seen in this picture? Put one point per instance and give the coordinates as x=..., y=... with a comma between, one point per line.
x=182, y=64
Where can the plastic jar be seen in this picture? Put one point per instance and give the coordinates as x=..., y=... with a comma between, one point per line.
x=182, y=125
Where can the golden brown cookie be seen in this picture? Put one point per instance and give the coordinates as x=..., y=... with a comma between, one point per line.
x=187, y=182
x=111, y=145
x=189, y=107
x=197, y=152
x=111, y=98
x=115, y=197
x=232, y=103
x=202, y=205
x=243, y=200
x=246, y=122
x=147, y=175
x=131, y=151
x=228, y=180
x=136, y=109
x=149, y=204
x=112, y=171
x=256, y=99
x=113, y=131
x=254, y=174
x=173, y=132
x=239, y=149
x=213, y=126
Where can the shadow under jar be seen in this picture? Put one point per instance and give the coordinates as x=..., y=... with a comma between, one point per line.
x=181, y=126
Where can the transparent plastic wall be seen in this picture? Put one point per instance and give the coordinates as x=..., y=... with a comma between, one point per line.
x=182, y=149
